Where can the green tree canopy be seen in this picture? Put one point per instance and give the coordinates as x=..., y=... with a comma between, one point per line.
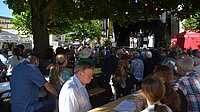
x=90, y=30
x=192, y=23
x=56, y=16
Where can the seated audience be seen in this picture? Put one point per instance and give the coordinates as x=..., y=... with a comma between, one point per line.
x=59, y=74
x=148, y=64
x=25, y=82
x=13, y=61
x=4, y=55
x=137, y=68
x=47, y=61
x=165, y=74
x=121, y=81
x=109, y=67
x=85, y=55
x=153, y=90
x=21, y=49
x=171, y=61
x=73, y=95
x=196, y=64
x=189, y=82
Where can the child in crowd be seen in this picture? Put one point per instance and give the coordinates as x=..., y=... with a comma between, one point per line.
x=166, y=75
x=153, y=90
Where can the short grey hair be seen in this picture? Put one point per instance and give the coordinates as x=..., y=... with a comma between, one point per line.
x=148, y=54
x=32, y=57
x=185, y=62
x=196, y=61
x=82, y=65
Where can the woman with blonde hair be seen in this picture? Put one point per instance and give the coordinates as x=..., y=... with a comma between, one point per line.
x=59, y=74
x=153, y=90
x=121, y=81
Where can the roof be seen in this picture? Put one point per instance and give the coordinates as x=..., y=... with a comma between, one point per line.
x=3, y=17
x=186, y=34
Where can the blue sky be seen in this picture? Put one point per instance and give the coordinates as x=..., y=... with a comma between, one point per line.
x=4, y=10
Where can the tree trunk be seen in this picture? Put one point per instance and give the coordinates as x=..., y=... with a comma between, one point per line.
x=40, y=10
x=40, y=36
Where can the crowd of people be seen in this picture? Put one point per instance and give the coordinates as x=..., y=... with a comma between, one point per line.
x=169, y=78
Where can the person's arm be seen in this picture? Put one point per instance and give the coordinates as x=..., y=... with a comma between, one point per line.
x=113, y=89
x=51, y=89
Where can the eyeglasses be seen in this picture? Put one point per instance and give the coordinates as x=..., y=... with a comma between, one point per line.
x=89, y=75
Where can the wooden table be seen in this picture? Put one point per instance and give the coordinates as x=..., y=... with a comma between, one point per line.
x=96, y=91
x=5, y=87
x=109, y=107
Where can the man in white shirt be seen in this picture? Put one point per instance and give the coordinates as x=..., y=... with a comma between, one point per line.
x=73, y=95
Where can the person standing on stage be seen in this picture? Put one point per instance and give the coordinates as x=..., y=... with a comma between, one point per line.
x=151, y=39
x=131, y=40
x=140, y=38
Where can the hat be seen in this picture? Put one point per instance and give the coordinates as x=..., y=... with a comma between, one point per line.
x=85, y=53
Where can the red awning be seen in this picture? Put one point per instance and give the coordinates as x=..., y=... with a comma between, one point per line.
x=186, y=34
x=187, y=40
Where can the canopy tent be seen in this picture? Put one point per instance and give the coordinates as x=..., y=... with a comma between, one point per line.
x=8, y=35
x=187, y=40
x=13, y=36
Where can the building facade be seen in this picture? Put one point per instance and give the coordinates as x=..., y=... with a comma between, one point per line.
x=6, y=23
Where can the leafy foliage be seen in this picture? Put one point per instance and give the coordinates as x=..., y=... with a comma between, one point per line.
x=23, y=22
x=192, y=23
x=44, y=17
x=90, y=30
x=18, y=6
x=69, y=12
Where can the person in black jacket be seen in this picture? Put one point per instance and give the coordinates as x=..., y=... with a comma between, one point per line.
x=148, y=64
x=109, y=66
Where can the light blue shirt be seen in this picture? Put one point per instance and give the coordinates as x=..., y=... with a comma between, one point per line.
x=25, y=82
x=137, y=67
x=74, y=97
x=3, y=59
